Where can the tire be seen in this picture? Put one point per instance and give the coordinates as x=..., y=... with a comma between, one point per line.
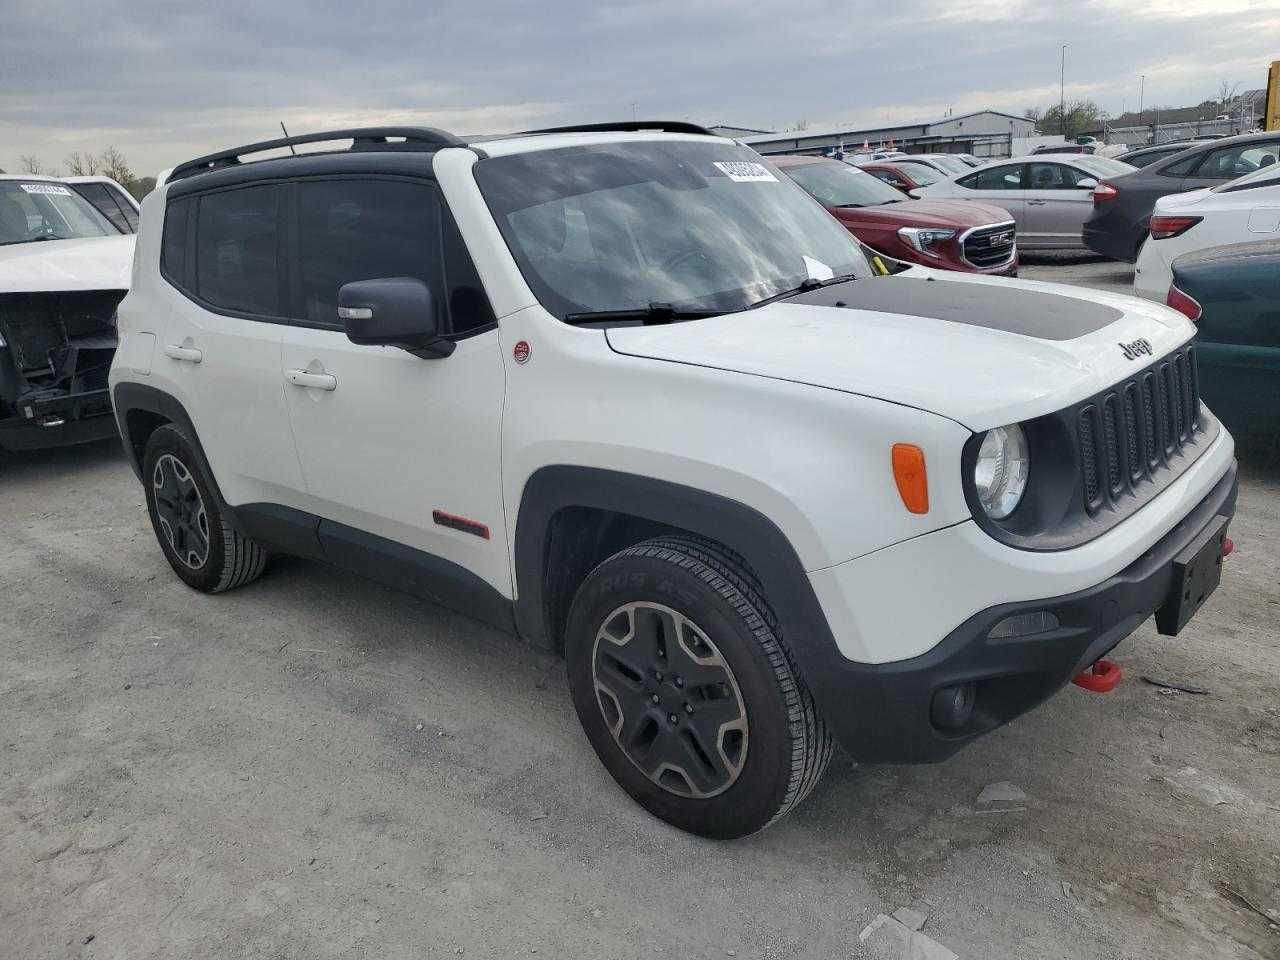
x=205, y=551
x=742, y=733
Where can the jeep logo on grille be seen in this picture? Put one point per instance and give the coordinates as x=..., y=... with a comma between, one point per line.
x=1135, y=349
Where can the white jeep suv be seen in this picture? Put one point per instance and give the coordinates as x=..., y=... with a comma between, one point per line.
x=630, y=394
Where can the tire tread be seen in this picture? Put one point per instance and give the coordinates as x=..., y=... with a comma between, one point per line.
x=727, y=574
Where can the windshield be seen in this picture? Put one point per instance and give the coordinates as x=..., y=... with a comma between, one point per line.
x=836, y=184
x=921, y=173
x=694, y=225
x=39, y=210
x=949, y=163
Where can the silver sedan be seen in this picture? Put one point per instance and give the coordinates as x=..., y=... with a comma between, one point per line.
x=1049, y=197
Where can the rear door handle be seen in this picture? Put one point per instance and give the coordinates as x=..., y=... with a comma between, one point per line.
x=189, y=354
x=1037, y=203
x=318, y=381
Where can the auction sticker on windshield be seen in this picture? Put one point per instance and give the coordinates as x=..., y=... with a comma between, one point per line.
x=52, y=188
x=744, y=171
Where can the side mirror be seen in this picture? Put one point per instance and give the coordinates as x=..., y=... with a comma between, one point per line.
x=1088, y=183
x=392, y=312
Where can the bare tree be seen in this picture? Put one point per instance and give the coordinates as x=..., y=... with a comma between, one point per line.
x=32, y=165
x=1227, y=92
x=82, y=165
x=1033, y=114
x=111, y=163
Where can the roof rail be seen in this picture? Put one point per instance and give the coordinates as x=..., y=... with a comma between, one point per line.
x=362, y=138
x=629, y=126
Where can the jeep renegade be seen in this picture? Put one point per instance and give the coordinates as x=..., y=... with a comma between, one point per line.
x=631, y=394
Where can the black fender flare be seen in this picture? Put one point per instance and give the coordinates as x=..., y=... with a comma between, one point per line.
x=128, y=397
x=744, y=530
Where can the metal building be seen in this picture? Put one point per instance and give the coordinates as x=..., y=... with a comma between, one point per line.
x=984, y=133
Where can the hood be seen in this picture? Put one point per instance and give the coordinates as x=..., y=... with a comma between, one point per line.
x=88, y=263
x=981, y=351
x=926, y=213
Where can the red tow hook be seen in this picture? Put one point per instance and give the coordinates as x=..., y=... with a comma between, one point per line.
x=1228, y=546
x=1102, y=677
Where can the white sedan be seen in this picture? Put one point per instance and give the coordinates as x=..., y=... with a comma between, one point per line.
x=1236, y=212
x=1048, y=196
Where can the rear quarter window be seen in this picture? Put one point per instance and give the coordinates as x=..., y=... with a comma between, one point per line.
x=1181, y=168
x=173, y=243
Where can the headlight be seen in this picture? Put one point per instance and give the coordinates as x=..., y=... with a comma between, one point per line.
x=925, y=239
x=1000, y=475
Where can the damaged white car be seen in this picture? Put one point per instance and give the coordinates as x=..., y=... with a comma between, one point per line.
x=64, y=268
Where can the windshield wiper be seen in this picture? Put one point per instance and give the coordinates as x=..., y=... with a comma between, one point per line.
x=653, y=313
x=805, y=286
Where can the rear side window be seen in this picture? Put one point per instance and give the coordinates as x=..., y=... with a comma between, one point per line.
x=363, y=230
x=1055, y=176
x=237, y=247
x=1007, y=177
x=173, y=244
x=1232, y=162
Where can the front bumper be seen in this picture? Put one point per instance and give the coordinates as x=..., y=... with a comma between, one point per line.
x=58, y=420
x=885, y=713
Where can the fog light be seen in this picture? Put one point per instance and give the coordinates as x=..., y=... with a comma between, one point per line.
x=1024, y=625
x=952, y=706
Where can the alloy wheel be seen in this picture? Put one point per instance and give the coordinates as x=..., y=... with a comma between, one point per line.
x=180, y=510
x=670, y=699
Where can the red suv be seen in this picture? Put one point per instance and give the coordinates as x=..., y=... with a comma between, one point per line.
x=945, y=234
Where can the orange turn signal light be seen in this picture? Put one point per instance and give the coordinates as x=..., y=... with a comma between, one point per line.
x=910, y=476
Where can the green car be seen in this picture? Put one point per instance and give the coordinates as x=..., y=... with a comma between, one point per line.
x=1236, y=289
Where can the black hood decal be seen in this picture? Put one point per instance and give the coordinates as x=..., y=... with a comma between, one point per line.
x=1046, y=316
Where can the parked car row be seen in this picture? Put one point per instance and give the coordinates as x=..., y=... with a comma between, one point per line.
x=1122, y=204
x=601, y=323
x=971, y=237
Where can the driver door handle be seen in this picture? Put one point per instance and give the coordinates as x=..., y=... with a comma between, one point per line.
x=189, y=354
x=1036, y=203
x=318, y=381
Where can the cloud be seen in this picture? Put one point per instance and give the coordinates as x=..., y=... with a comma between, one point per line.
x=165, y=82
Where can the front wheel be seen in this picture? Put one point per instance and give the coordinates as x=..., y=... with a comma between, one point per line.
x=686, y=691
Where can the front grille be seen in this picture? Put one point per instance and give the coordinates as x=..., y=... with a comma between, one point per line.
x=990, y=246
x=1133, y=433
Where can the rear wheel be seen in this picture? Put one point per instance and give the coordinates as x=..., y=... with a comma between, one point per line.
x=205, y=551
x=686, y=691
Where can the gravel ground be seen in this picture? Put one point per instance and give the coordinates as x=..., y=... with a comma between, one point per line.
x=315, y=766
x=1078, y=269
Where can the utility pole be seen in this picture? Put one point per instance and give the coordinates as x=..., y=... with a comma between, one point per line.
x=1142, y=89
x=1062, y=92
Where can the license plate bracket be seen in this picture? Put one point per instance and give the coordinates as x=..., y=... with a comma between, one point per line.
x=1197, y=571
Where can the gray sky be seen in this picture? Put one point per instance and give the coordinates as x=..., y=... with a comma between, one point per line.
x=164, y=82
